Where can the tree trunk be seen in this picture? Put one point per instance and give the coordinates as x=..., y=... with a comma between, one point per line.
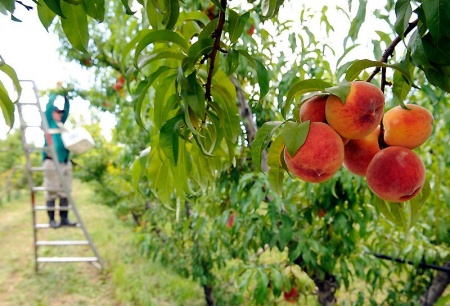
x=327, y=288
x=208, y=290
x=437, y=287
x=247, y=119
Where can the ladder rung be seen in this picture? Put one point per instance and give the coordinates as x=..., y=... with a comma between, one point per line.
x=46, y=225
x=26, y=103
x=66, y=259
x=41, y=188
x=52, y=208
x=37, y=168
x=23, y=126
x=62, y=243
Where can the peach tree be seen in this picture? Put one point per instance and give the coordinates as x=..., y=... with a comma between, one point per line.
x=211, y=99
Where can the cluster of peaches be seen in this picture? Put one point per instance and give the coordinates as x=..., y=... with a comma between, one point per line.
x=367, y=141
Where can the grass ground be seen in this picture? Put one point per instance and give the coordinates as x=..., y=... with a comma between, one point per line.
x=128, y=279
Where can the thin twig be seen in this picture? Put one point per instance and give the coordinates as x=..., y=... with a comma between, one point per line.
x=216, y=47
x=27, y=7
x=390, y=50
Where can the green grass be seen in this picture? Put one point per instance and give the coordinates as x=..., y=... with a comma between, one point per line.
x=128, y=278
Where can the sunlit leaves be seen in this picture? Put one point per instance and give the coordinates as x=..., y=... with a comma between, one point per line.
x=158, y=36
x=262, y=139
x=236, y=24
x=357, y=21
x=355, y=69
x=302, y=87
x=6, y=104
x=404, y=214
x=46, y=15
x=276, y=171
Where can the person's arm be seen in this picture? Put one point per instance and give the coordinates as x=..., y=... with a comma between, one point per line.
x=50, y=106
x=66, y=109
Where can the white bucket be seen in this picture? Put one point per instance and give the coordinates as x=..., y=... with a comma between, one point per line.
x=78, y=140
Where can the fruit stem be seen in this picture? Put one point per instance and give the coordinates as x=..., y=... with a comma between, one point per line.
x=381, y=143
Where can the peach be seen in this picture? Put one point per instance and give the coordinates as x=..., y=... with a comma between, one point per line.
x=359, y=152
x=407, y=128
x=361, y=113
x=320, y=157
x=396, y=174
x=313, y=109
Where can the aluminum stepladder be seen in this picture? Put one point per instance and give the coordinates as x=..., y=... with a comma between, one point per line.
x=31, y=169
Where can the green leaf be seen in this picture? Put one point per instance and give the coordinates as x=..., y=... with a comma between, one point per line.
x=436, y=53
x=171, y=14
x=126, y=51
x=236, y=24
x=46, y=15
x=161, y=55
x=7, y=106
x=95, y=9
x=277, y=282
x=357, y=21
x=384, y=209
x=261, y=71
x=168, y=138
x=158, y=36
x=55, y=6
x=141, y=93
x=261, y=290
x=437, y=14
x=276, y=169
x=294, y=135
x=228, y=111
x=302, y=87
x=355, y=69
x=198, y=50
x=341, y=91
x=262, y=139
x=403, y=11
x=75, y=25
x=268, y=8
x=125, y=4
x=439, y=76
x=9, y=71
x=232, y=61
x=74, y=2
x=418, y=201
x=400, y=88
x=192, y=93
x=9, y=5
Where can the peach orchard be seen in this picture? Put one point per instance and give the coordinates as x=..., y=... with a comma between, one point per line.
x=270, y=175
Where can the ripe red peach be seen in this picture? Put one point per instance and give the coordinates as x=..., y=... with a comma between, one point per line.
x=320, y=157
x=396, y=174
x=407, y=128
x=359, y=152
x=361, y=113
x=313, y=109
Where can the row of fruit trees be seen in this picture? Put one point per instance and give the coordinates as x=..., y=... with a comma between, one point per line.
x=263, y=158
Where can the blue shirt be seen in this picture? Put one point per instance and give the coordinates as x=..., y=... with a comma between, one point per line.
x=61, y=151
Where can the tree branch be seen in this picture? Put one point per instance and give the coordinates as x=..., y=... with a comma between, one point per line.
x=27, y=7
x=216, y=47
x=390, y=50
